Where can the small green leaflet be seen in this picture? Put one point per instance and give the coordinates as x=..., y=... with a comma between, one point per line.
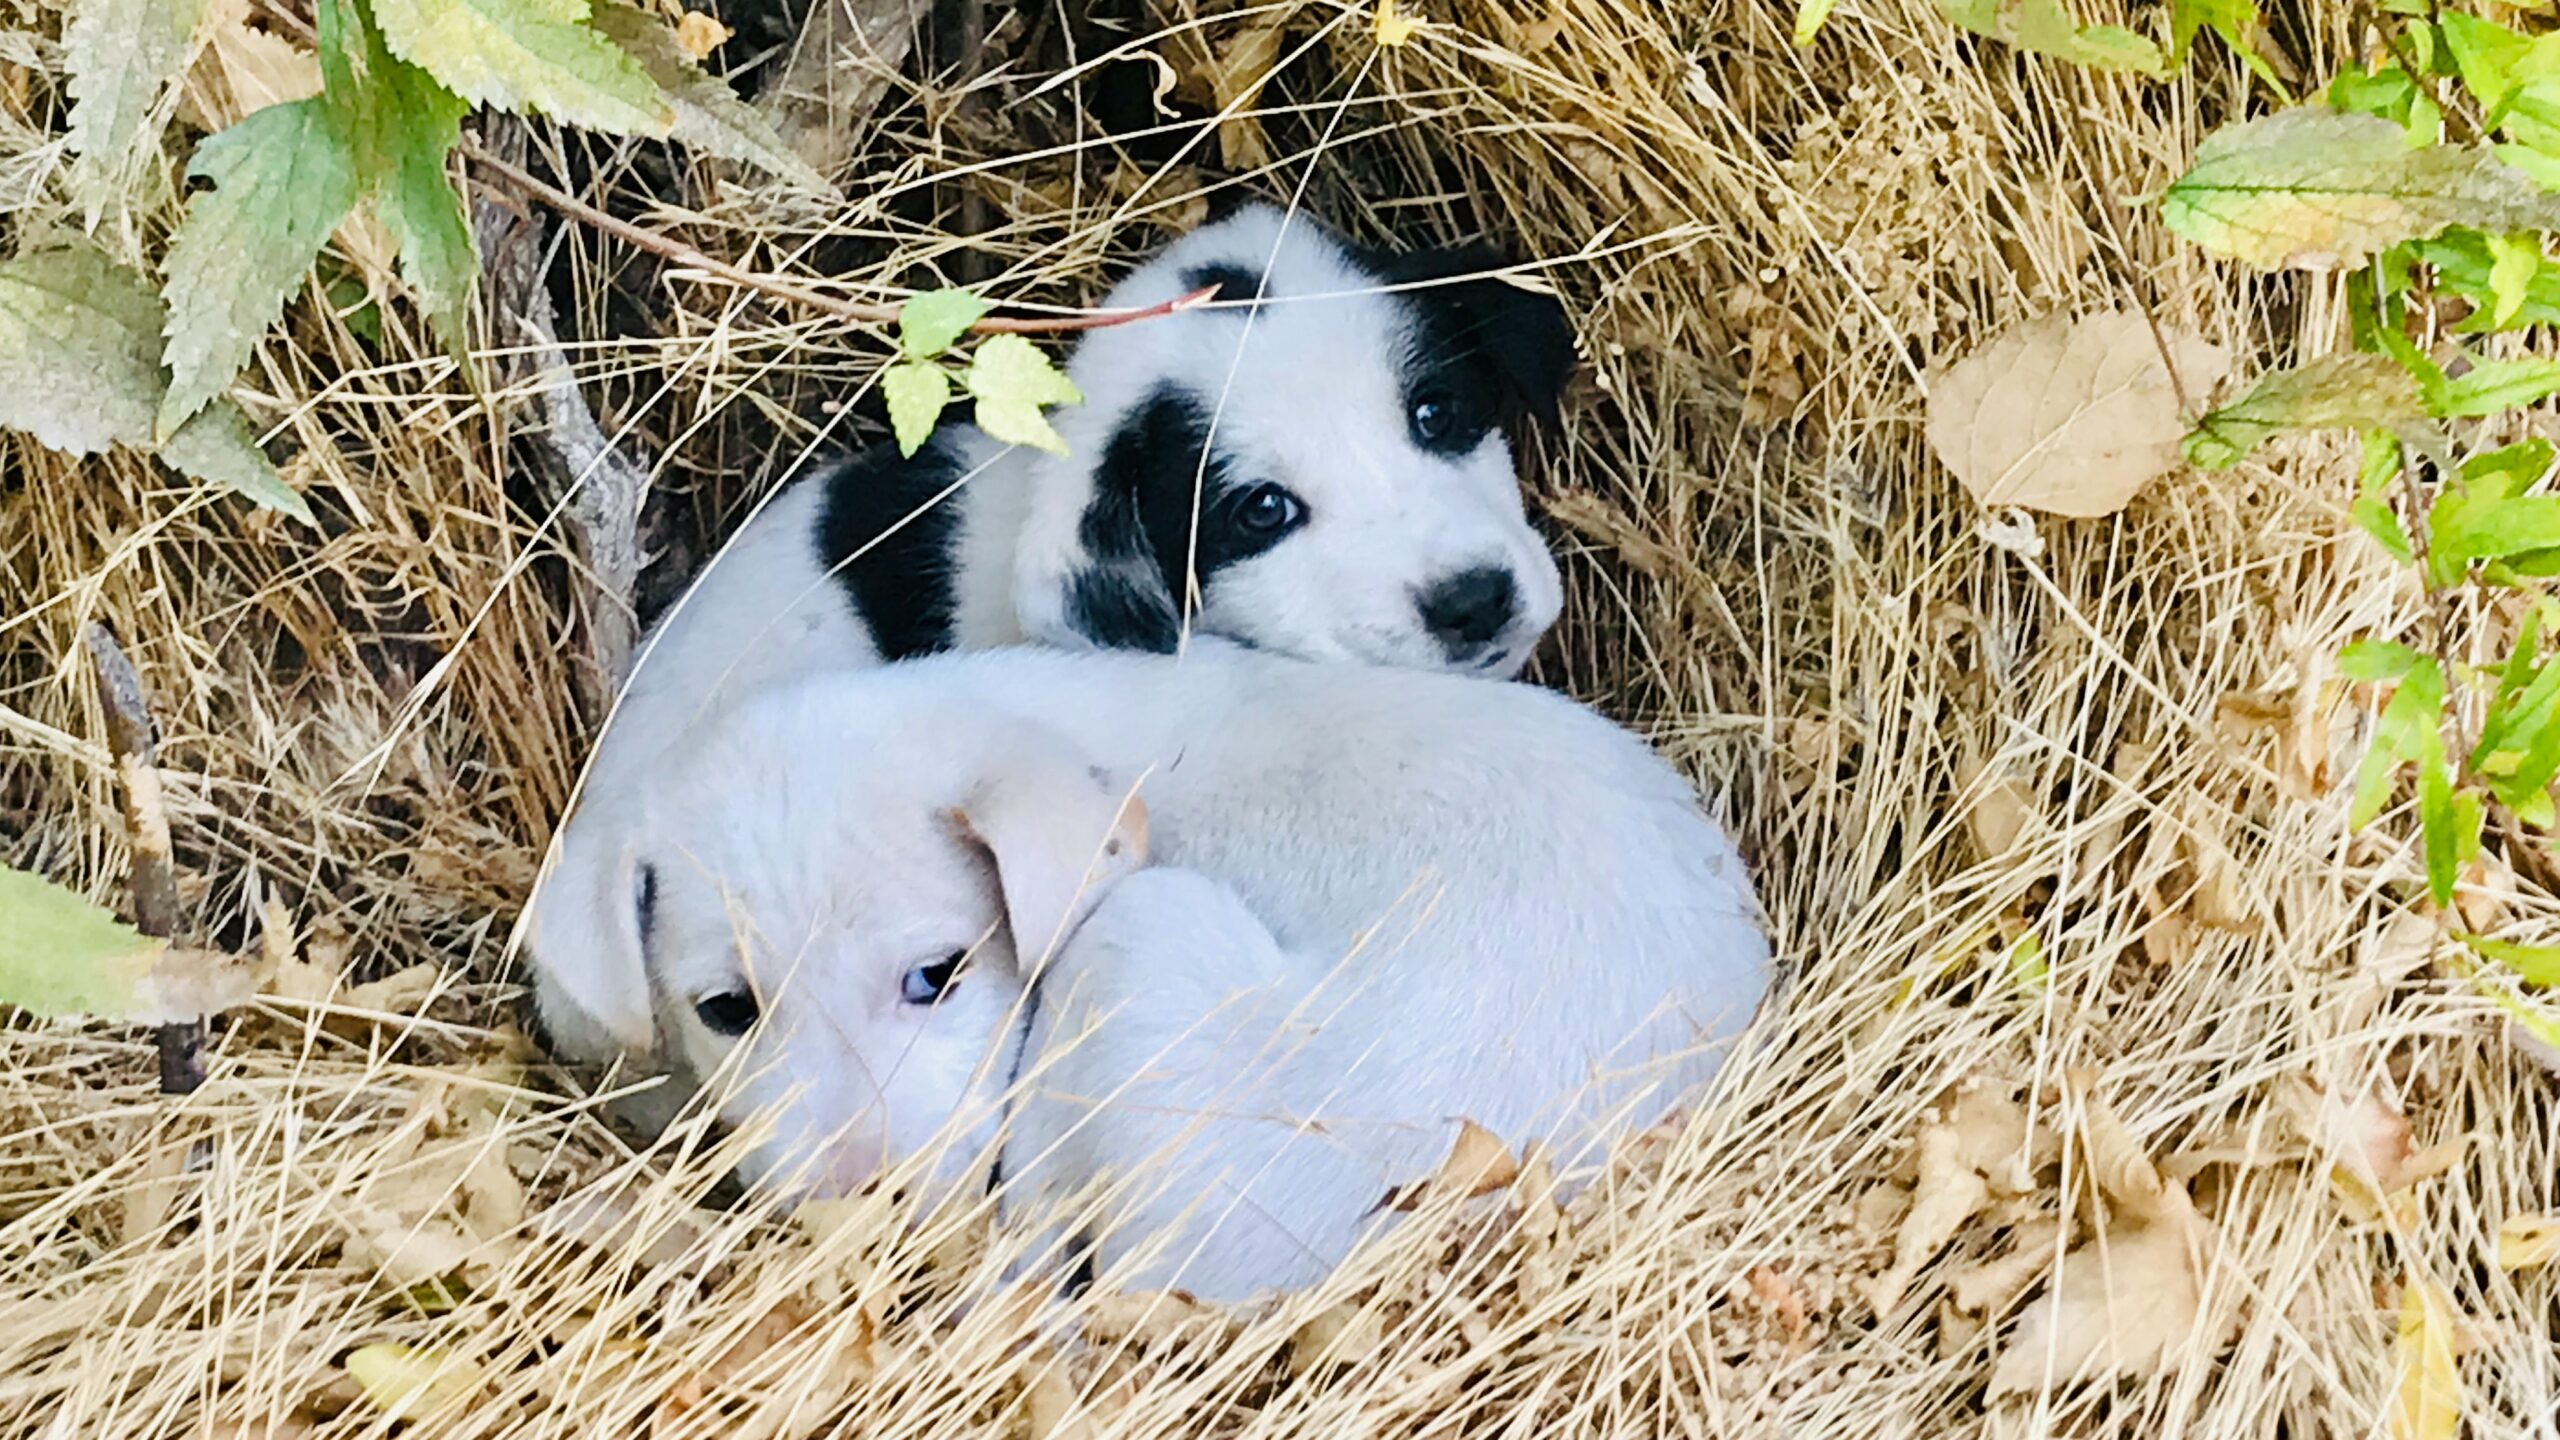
x=1810, y=15
x=527, y=55
x=2042, y=27
x=2487, y=517
x=402, y=125
x=916, y=391
x=2411, y=730
x=933, y=320
x=2377, y=662
x=1013, y=382
x=2310, y=188
x=2535, y=965
x=2492, y=387
x=709, y=116
x=80, y=370
x=2349, y=390
x=283, y=179
x=2391, y=94
x=61, y=955
x=121, y=54
x=2380, y=467
x=2233, y=20
x=2514, y=261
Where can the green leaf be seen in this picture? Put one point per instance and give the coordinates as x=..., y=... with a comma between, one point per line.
x=527, y=55
x=916, y=390
x=283, y=179
x=2377, y=662
x=80, y=370
x=2392, y=95
x=2484, y=54
x=2234, y=21
x=709, y=116
x=1013, y=381
x=932, y=320
x=2492, y=387
x=2311, y=188
x=61, y=955
x=402, y=126
x=2349, y=390
x=121, y=54
x=2514, y=262
x=2042, y=27
x=2410, y=728
x=2377, y=520
x=2451, y=821
x=2536, y=965
x=2541, y=164
x=1810, y=15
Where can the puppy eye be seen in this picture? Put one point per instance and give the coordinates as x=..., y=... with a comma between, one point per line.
x=727, y=1012
x=1433, y=417
x=927, y=983
x=1267, y=510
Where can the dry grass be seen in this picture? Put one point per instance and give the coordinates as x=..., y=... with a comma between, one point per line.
x=371, y=732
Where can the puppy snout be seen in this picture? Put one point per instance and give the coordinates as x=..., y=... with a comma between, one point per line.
x=1468, y=610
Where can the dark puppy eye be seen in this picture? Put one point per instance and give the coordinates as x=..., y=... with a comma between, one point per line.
x=927, y=983
x=727, y=1012
x=1267, y=510
x=1433, y=417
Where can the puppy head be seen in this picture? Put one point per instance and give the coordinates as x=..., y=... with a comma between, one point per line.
x=828, y=914
x=1319, y=468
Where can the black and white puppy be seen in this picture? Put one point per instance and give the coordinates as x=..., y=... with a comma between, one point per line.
x=1318, y=468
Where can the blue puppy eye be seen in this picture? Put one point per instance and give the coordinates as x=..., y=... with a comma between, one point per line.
x=927, y=983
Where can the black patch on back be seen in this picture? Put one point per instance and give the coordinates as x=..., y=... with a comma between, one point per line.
x=886, y=540
x=1137, y=530
x=1235, y=284
x=1498, y=352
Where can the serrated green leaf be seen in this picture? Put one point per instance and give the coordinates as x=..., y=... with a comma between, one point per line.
x=2410, y=729
x=61, y=955
x=2379, y=521
x=709, y=116
x=2377, y=662
x=2357, y=390
x=2233, y=20
x=2311, y=188
x=538, y=55
x=917, y=391
x=2486, y=56
x=2390, y=94
x=2536, y=965
x=1013, y=381
x=2538, y=163
x=402, y=125
x=2493, y=387
x=2451, y=819
x=80, y=370
x=933, y=320
x=2514, y=260
x=121, y=54
x=2042, y=27
x=283, y=179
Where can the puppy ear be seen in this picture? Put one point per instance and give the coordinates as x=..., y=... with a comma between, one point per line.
x=1086, y=569
x=1520, y=336
x=1058, y=836
x=585, y=928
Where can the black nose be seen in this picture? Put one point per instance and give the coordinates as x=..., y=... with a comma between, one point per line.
x=1470, y=607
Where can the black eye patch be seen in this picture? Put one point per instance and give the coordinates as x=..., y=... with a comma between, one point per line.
x=1235, y=284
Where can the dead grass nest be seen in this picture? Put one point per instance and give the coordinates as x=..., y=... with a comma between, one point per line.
x=2111, y=1051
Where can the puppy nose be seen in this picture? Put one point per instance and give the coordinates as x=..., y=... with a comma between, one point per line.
x=1471, y=607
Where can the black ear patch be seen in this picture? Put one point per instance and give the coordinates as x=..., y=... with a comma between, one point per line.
x=1143, y=551
x=1482, y=334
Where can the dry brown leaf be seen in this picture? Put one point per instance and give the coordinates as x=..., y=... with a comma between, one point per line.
x=1947, y=1194
x=1990, y=1287
x=698, y=34
x=608, y=1221
x=2427, y=1403
x=493, y=1198
x=242, y=68
x=2128, y=1303
x=406, y=1253
x=1343, y=1335
x=184, y=985
x=2528, y=1242
x=147, y=1207
x=401, y=993
x=2122, y=1167
x=1602, y=523
x=406, y=1382
x=2001, y=808
x=1477, y=1164
x=1773, y=1288
x=1226, y=73
x=1146, y=1316
x=1991, y=1137
x=2071, y=416
x=291, y=1425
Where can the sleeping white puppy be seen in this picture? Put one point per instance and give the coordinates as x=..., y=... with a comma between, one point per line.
x=1335, y=428
x=1402, y=897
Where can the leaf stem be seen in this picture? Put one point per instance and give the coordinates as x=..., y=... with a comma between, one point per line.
x=551, y=196
x=135, y=743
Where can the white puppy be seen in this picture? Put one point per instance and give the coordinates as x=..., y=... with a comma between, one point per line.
x=1340, y=446
x=1404, y=897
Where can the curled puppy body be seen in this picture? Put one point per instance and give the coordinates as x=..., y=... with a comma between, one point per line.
x=1463, y=897
x=1337, y=424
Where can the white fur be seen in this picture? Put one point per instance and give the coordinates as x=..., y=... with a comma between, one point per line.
x=1463, y=897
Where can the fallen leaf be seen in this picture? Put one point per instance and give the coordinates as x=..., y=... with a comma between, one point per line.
x=241, y=68
x=291, y=1425
x=1595, y=519
x=1991, y=1137
x=1146, y=1316
x=2000, y=811
x=2123, y=1169
x=607, y=1221
x=147, y=1205
x=2427, y=1404
x=1946, y=1194
x=2528, y=1242
x=1342, y=1335
x=700, y=34
x=1774, y=1289
x=1226, y=75
x=2068, y=416
x=1990, y=1286
x=1393, y=29
x=184, y=985
x=405, y=1253
x=406, y=1382
x=399, y=995
x=1477, y=1164
x=2130, y=1302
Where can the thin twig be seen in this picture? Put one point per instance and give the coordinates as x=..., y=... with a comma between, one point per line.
x=135, y=743
x=533, y=188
